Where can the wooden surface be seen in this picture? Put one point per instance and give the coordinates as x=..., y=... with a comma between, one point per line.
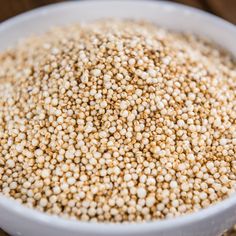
x=223, y=8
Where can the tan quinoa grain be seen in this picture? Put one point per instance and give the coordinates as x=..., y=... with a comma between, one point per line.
x=117, y=121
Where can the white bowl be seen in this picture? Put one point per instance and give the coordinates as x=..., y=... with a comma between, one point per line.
x=16, y=219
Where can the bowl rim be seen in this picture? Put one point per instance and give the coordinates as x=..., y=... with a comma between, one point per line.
x=22, y=211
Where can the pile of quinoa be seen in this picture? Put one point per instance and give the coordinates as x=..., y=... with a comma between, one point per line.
x=117, y=121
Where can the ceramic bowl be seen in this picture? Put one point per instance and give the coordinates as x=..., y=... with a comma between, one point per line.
x=18, y=220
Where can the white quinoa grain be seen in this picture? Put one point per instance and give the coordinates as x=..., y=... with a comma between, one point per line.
x=117, y=121
x=141, y=193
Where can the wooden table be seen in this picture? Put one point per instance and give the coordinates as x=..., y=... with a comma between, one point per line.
x=223, y=8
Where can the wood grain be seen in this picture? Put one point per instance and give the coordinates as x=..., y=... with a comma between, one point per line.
x=11, y=8
x=192, y=3
x=224, y=8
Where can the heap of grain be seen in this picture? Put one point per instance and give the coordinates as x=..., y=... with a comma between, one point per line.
x=117, y=121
